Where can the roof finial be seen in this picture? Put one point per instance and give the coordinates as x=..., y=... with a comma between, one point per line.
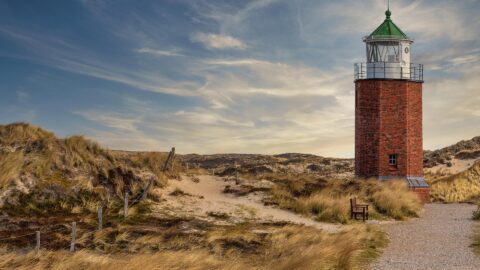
x=388, y=13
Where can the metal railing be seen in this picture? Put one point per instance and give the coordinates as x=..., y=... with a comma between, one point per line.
x=386, y=70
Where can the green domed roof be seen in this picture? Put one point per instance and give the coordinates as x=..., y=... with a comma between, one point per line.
x=387, y=30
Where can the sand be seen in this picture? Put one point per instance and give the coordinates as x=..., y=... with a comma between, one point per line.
x=207, y=196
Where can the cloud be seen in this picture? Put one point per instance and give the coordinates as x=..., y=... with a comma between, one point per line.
x=268, y=83
x=241, y=130
x=158, y=52
x=229, y=16
x=217, y=41
x=23, y=97
x=301, y=109
x=20, y=110
x=60, y=54
x=249, y=77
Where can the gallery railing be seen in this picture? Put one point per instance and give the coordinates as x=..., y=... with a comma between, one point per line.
x=386, y=70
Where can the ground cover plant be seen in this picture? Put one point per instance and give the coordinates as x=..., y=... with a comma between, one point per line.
x=44, y=175
x=328, y=200
x=476, y=231
x=460, y=187
x=243, y=246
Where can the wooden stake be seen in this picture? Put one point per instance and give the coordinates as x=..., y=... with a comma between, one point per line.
x=236, y=174
x=74, y=235
x=100, y=218
x=37, y=248
x=169, y=161
x=173, y=159
x=186, y=166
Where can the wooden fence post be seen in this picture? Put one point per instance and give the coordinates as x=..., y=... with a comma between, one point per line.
x=186, y=165
x=169, y=162
x=125, y=206
x=100, y=218
x=173, y=159
x=74, y=234
x=236, y=174
x=37, y=248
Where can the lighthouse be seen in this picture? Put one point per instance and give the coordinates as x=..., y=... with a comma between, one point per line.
x=388, y=109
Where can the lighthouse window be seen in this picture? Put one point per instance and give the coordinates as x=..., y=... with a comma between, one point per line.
x=383, y=51
x=392, y=159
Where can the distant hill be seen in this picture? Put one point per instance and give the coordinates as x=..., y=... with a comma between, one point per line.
x=465, y=149
x=288, y=163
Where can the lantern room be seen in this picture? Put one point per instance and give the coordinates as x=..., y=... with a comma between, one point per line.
x=388, y=54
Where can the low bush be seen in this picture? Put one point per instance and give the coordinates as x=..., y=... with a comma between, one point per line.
x=328, y=200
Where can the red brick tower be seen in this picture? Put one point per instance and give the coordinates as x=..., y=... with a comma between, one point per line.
x=388, y=110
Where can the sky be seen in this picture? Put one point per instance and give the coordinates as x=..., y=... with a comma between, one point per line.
x=229, y=76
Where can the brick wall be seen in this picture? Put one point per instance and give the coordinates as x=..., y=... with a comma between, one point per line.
x=388, y=120
x=423, y=194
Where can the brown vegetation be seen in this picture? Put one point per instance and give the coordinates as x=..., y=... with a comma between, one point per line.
x=255, y=165
x=476, y=235
x=48, y=182
x=237, y=247
x=42, y=174
x=327, y=200
x=461, y=187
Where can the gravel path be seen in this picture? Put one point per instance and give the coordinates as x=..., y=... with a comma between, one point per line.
x=438, y=240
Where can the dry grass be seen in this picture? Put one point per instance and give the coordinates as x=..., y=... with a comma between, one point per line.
x=461, y=187
x=476, y=214
x=328, y=200
x=238, y=247
x=325, y=207
x=42, y=174
x=476, y=238
x=88, y=260
x=476, y=231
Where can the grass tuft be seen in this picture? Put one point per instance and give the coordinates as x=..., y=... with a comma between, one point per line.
x=461, y=187
x=328, y=200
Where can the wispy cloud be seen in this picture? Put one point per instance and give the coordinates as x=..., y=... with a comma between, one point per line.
x=159, y=52
x=227, y=15
x=217, y=41
x=61, y=54
x=246, y=77
x=307, y=128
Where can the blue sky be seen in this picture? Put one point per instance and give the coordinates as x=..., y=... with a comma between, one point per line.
x=264, y=76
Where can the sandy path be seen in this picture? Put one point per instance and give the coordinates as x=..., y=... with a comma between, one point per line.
x=438, y=240
x=211, y=188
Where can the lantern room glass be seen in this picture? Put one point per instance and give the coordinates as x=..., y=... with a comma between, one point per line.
x=383, y=51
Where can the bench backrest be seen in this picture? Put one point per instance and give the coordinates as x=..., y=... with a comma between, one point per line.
x=353, y=202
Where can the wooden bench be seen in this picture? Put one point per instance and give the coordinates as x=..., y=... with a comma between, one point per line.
x=358, y=209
